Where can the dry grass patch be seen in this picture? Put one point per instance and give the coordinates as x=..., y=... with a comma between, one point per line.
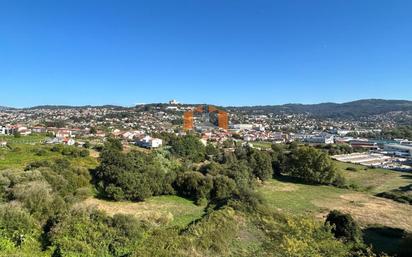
x=316, y=200
x=162, y=210
x=370, y=210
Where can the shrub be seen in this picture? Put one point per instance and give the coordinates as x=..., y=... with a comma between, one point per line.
x=40, y=152
x=84, y=153
x=344, y=227
x=16, y=224
x=223, y=187
x=351, y=169
x=339, y=181
x=194, y=185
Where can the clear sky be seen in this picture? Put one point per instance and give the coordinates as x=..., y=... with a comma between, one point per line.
x=225, y=52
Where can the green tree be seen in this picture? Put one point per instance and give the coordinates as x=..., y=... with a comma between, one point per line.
x=211, y=150
x=261, y=164
x=113, y=144
x=311, y=165
x=188, y=147
x=194, y=185
x=223, y=187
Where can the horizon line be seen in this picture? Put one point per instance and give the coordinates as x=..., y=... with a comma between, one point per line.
x=167, y=103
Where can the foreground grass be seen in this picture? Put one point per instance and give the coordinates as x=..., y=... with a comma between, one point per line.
x=317, y=201
x=162, y=210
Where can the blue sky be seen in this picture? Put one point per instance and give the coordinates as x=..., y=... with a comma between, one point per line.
x=225, y=52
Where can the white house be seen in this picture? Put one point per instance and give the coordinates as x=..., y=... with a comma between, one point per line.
x=130, y=135
x=7, y=130
x=149, y=142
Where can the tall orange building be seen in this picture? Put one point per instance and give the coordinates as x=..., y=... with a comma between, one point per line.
x=188, y=120
x=222, y=117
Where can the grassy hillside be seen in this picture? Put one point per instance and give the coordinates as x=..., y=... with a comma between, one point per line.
x=19, y=154
x=383, y=220
x=373, y=180
x=162, y=210
x=315, y=200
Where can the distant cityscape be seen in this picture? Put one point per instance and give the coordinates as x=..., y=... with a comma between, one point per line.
x=143, y=126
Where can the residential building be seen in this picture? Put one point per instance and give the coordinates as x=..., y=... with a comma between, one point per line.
x=63, y=133
x=7, y=130
x=149, y=142
x=38, y=129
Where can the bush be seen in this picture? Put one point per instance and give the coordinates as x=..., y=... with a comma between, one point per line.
x=223, y=187
x=339, y=181
x=194, y=185
x=397, y=195
x=40, y=152
x=344, y=227
x=36, y=197
x=88, y=232
x=84, y=153
x=16, y=224
x=351, y=169
x=56, y=148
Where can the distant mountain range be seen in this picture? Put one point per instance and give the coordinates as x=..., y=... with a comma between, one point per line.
x=5, y=108
x=360, y=108
x=71, y=107
x=355, y=109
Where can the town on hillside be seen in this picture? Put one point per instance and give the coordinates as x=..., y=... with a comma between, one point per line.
x=365, y=140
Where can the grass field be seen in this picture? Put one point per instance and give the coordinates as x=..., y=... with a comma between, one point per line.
x=22, y=154
x=262, y=144
x=374, y=180
x=166, y=210
x=30, y=139
x=379, y=217
x=301, y=199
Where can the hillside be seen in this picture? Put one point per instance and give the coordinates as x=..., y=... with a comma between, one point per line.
x=355, y=109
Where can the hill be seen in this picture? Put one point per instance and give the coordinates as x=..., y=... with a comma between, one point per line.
x=355, y=109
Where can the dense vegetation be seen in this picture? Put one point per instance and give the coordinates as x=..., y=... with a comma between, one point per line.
x=42, y=214
x=399, y=132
